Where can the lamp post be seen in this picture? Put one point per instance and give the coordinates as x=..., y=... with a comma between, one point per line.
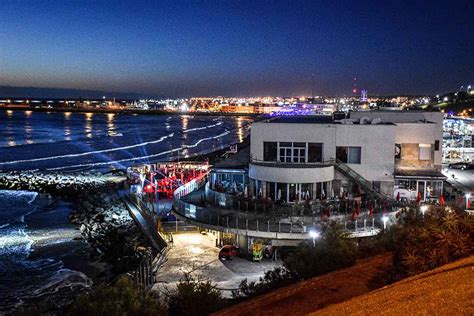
x=423, y=209
x=314, y=234
x=385, y=220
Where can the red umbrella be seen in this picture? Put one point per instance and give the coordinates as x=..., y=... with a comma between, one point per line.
x=329, y=212
x=322, y=214
x=418, y=198
x=441, y=200
x=357, y=208
x=371, y=210
x=354, y=215
x=398, y=196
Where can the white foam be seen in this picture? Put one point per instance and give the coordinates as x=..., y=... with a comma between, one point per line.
x=142, y=157
x=89, y=152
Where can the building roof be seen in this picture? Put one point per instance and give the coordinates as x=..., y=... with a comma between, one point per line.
x=418, y=173
x=302, y=119
x=239, y=160
x=317, y=119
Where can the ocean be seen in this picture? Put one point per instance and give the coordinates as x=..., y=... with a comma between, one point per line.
x=38, y=252
x=82, y=141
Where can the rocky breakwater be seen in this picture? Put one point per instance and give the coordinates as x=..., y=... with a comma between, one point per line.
x=57, y=184
x=106, y=225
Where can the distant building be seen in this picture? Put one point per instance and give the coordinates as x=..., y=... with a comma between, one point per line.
x=363, y=95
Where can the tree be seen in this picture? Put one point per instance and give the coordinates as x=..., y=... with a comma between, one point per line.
x=121, y=298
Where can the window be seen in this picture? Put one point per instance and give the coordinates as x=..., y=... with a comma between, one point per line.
x=436, y=145
x=425, y=151
x=315, y=152
x=341, y=153
x=299, y=152
x=354, y=155
x=349, y=154
x=292, y=152
x=270, y=151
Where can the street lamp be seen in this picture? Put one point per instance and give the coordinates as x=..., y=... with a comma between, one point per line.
x=385, y=220
x=314, y=234
x=423, y=209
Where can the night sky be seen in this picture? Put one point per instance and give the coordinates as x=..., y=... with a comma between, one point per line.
x=238, y=48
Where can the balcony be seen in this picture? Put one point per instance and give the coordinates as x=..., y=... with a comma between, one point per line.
x=285, y=172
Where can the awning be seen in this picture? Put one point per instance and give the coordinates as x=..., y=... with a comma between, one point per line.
x=421, y=174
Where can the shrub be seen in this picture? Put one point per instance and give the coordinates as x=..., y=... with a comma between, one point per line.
x=273, y=279
x=426, y=242
x=333, y=251
x=194, y=297
x=121, y=298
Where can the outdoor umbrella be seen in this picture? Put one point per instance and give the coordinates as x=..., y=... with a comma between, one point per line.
x=354, y=215
x=246, y=191
x=307, y=195
x=260, y=192
x=371, y=209
x=323, y=194
x=357, y=208
x=398, y=196
x=333, y=194
x=341, y=193
x=418, y=198
x=279, y=194
x=441, y=200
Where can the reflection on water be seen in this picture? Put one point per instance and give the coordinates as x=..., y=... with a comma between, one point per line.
x=89, y=116
x=88, y=140
x=110, y=122
x=184, y=123
x=240, y=131
x=89, y=126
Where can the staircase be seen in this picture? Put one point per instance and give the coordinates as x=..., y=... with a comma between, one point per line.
x=361, y=181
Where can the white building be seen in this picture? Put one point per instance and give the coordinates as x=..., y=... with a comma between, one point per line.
x=373, y=153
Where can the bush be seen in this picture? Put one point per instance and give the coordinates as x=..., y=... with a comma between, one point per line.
x=194, y=297
x=331, y=252
x=273, y=279
x=423, y=243
x=122, y=298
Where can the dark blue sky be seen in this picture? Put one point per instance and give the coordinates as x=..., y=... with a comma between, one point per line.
x=183, y=48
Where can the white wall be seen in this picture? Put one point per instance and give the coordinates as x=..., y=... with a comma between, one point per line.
x=411, y=128
x=377, y=142
x=291, y=175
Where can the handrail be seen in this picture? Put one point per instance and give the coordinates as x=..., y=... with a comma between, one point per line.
x=348, y=171
x=325, y=163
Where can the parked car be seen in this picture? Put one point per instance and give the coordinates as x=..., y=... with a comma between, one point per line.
x=461, y=165
x=228, y=251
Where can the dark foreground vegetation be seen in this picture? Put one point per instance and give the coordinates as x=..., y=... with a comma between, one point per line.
x=418, y=244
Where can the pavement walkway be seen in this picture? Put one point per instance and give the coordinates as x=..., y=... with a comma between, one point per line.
x=197, y=254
